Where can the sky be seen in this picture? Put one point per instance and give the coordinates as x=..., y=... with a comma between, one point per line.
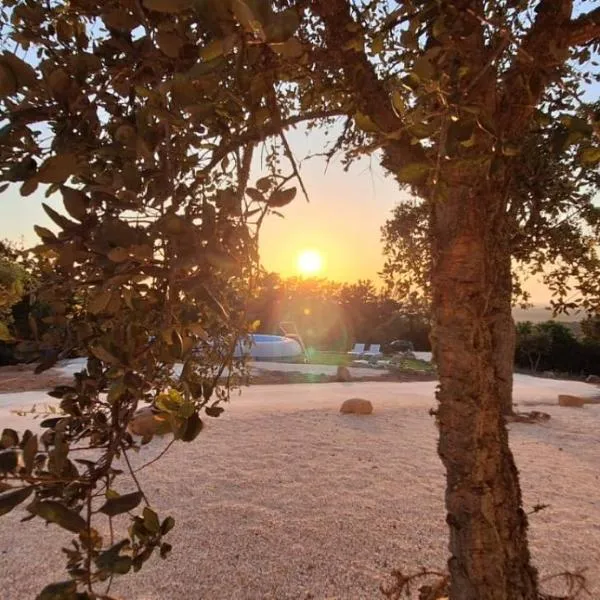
x=342, y=220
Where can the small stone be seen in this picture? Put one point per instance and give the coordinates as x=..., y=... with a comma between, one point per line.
x=356, y=406
x=570, y=401
x=593, y=379
x=343, y=374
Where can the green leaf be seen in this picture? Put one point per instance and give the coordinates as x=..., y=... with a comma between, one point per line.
x=29, y=452
x=151, y=522
x=168, y=6
x=246, y=18
x=61, y=221
x=169, y=43
x=191, y=428
x=204, y=68
x=8, y=460
x=280, y=198
x=104, y=355
x=64, y=590
x=377, y=44
x=45, y=234
x=118, y=255
x=98, y=302
x=54, y=512
x=9, y=438
x=57, y=169
x=9, y=500
x=414, y=172
x=23, y=71
x=365, y=123
x=29, y=186
x=122, y=504
x=75, y=201
x=292, y=48
x=167, y=525
x=590, y=156
x=214, y=411
x=219, y=47
x=423, y=69
x=255, y=195
x=282, y=26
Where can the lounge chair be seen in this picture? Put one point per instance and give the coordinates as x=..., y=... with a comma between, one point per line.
x=358, y=350
x=373, y=351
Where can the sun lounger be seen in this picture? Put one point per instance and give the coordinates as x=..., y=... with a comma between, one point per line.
x=357, y=350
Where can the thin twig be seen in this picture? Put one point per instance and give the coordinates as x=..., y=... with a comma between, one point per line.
x=162, y=453
x=292, y=160
x=132, y=473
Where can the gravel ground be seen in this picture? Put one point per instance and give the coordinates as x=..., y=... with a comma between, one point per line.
x=284, y=498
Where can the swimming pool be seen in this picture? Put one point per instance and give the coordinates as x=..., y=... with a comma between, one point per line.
x=262, y=346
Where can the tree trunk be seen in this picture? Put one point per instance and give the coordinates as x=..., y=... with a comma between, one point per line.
x=488, y=528
x=504, y=336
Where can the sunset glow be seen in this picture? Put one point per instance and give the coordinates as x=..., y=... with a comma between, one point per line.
x=309, y=262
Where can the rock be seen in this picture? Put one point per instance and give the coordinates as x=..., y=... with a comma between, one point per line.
x=572, y=401
x=147, y=422
x=356, y=406
x=593, y=379
x=343, y=374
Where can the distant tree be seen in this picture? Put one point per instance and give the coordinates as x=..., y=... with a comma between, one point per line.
x=554, y=234
x=533, y=343
x=591, y=328
x=14, y=282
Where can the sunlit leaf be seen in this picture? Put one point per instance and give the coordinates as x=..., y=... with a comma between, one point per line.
x=55, y=512
x=122, y=504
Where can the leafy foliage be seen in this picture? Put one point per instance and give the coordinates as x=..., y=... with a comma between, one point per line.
x=551, y=346
x=152, y=254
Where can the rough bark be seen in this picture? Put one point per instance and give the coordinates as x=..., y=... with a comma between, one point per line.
x=488, y=528
x=504, y=336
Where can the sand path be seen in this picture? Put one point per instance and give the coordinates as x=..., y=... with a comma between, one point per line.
x=283, y=498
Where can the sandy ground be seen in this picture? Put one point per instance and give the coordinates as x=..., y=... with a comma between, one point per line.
x=284, y=498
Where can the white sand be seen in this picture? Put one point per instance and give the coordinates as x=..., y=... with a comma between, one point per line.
x=283, y=498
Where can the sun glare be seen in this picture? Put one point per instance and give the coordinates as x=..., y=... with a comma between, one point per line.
x=310, y=262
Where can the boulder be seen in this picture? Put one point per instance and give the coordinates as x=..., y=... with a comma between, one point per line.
x=356, y=406
x=343, y=374
x=147, y=422
x=593, y=379
x=572, y=401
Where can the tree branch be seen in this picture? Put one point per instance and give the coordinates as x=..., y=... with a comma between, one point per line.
x=275, y=127
x=585, y=29
x=536, y=64
x=372, y=97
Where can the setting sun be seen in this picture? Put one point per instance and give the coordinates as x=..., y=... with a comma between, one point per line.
x=310, y=262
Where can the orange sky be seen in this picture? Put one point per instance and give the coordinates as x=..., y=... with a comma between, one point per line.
x=342, y=221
